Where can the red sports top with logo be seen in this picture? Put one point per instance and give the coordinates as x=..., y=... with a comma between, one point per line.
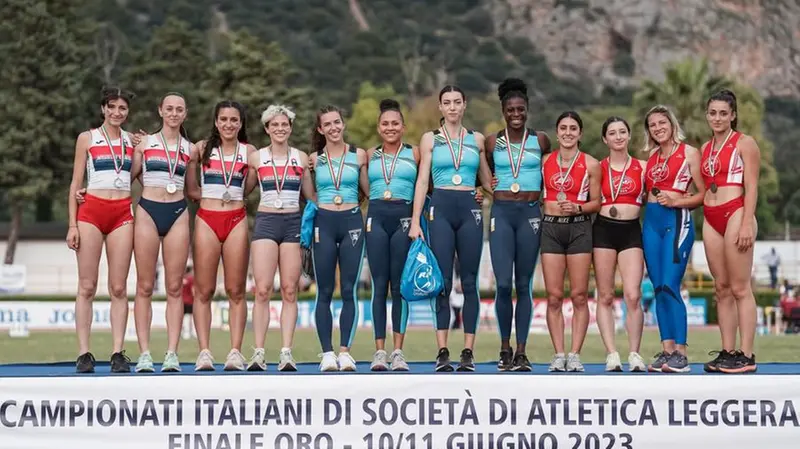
x=728, y=168
x=670, y=174
x=630, y=192
x=575, y=184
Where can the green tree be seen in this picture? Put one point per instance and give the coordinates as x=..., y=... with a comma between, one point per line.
x=363, y=121
x=40, y=94
x=686, y=88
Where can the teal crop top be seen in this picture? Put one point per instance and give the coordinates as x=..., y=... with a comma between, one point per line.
x=402, y=182
x=348, y=186
x=442, y=166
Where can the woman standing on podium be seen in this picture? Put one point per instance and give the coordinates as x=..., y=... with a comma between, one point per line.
x=571, y=195
x=515, y=227
x=453, y=156
x=281, y=172
x=340, y=169
x=617, y=241
x=668, y=229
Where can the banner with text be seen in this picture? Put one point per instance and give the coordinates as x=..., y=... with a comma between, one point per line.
x=399, y=412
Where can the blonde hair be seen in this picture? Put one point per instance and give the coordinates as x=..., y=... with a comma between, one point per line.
x=677, y=133
x=275, y=110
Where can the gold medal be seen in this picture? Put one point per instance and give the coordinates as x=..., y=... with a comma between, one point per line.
x=456, y=159
x=456, y=180
x=387, y=177
x=337, y=200
x=336, y=180
x=387, y=194
x=515, y=187
x=515, y=166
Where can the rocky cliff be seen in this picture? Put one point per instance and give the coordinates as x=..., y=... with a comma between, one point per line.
x=618, y=42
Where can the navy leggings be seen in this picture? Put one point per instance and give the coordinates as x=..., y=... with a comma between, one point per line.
x=456, y=228
x=338, y=238
x=387, y=249
x=515, y=232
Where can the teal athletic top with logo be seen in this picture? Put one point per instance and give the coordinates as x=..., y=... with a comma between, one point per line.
x=348, y=186
x=443, y=169
x=402, y=181
x=529, y=176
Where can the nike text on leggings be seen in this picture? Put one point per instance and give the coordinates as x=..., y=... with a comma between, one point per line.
x=514, y=235
x=387, y=248
x=338, y=238
x=456, y=228
x=667, y=239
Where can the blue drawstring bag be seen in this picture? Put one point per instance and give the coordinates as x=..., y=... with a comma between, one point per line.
x=422, y=279
x=307, y=224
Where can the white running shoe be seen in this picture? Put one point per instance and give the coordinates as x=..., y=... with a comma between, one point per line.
x=398, y=360
x=636, y=363
x=329, y=362
x=205, y=361
x=380, y=361
x=347, y=362
x=558, y=364
x=613, y=362
x=235, y=361
x=574, y=364
x=258, y=361
x=287, y=362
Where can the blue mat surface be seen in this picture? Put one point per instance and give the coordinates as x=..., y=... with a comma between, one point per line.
x=61, y=369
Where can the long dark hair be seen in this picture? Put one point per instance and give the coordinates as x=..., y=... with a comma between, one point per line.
x=182, y=130
x=729, y=97
x=317, y=139
x=613, y=119
x=215, y=140
x=450, y=88
x=111, y=93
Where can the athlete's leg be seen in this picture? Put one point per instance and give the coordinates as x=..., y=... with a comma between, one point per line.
x=378, y=256
x=175, y=254
x=88, y=255
x=264, y=256
x=398, y=248
x=351, y=259
x=442, y=243
x=578, y=268
x=502, y=245
x=206, y=254
x=119, y=249
x=235, y=258
x=605, y=268
x=291, y=266
x=714, y=245
x=528, y=238
x=631, y=269
x=146, y=244
x=325, y=255
x=675, y=256
x=739, y=266
x=469, y=247
x=652, y=238
x=554, y=267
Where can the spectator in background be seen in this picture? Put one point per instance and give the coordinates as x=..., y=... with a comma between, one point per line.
x=773, y=260
x=786, y=288
x=648, y=297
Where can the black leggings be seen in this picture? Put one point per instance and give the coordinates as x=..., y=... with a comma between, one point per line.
x=338, y=238
x=456, y=228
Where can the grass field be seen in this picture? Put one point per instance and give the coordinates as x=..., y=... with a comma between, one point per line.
x=419, y=346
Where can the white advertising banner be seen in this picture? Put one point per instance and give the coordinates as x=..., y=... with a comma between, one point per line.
x=407, y=411
x=12, y=278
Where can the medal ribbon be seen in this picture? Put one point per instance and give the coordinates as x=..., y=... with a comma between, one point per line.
x=714, y=155
x=279, y=187
x=666, y=160
x=172, y=165
x=227, y=177
x=456, y=163
x=388, y=178
x=563, y=176
x=621, y=179
x=515, y=169
x=117, y=165
x=337, y=181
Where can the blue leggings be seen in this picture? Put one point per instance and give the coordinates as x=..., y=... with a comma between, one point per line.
x=338, y=238
x=456, y=228
x=387, y=249
x=667, y=239
x=515, y=232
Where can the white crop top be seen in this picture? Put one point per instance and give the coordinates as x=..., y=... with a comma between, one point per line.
x=107, y=168
x=212, y=182
x=157, y=164
x=280, y=170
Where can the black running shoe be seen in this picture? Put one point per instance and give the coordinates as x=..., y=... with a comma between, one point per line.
x=443, y=361
x=120, y=363
x=738, y=363
x=505, y=363
x=467, y=362
x=85, y=363
x=521, y=362
x=713, y=365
